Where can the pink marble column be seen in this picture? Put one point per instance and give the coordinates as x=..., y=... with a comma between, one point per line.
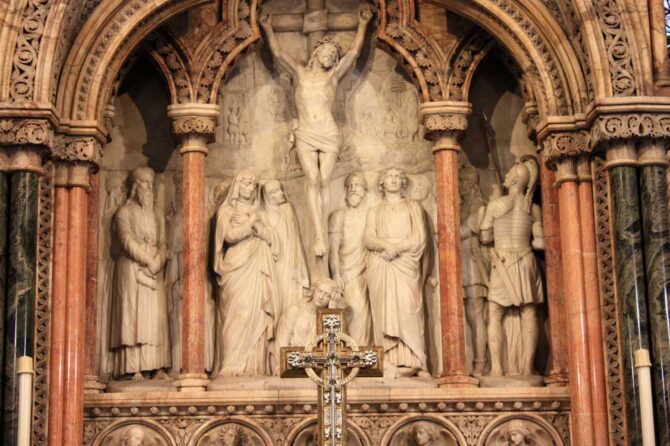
x=193, y=125
x=58, y=309
x=576, y=305
x=558, y=375
x=444, y=122
x=73, y=407
x=593, y=308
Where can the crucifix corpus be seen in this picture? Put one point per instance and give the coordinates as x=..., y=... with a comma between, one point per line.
x=317, y=136
x=331, y=360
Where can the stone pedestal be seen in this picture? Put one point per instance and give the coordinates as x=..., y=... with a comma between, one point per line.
x=193, y=125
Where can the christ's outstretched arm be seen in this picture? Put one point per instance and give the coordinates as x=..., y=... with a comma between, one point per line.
x=349, y=59
x=285, y=61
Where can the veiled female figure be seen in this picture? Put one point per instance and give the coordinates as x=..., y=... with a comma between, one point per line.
x=245, y=249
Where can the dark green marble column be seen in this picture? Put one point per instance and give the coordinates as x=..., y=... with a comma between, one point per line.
x=4, y=230
x=20, y=298
x=656, y=236
x=630, y=279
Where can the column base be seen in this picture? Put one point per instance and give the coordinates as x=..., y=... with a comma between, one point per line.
x=556, y=379
x=92, y=385
x=192, y=382
x=458, y=380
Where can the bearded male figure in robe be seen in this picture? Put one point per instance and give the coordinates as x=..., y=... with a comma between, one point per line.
x=292, y=273
x=347, y=257
x=318, y=138
x=475, y=265
x=139, y=320
x=514, y=225
x=298, y=323
x=115, y=186
x=246, y=249
x=395, y=236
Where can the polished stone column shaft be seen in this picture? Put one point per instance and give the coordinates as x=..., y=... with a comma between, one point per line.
x=656, y=235
x=629, y=261
x=581, y=400
x=58, y=310
x=593, y=308
x=193, y=125
x=4, y=232
x=20, y=298
x=73, y=407
x=558, y=375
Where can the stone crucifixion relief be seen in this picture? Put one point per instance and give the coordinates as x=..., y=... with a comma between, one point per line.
x=317, y=136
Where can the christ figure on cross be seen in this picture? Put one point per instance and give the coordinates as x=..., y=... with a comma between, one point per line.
x=317, y=136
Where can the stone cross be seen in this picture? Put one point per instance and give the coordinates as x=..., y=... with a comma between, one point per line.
x=314, y=22
x=337, y=360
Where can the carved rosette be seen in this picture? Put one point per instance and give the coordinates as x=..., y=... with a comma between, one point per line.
x=194, y=125
x=444, y=122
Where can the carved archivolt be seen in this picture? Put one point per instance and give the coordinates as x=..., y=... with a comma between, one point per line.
x=175, y=65
x=464, y=63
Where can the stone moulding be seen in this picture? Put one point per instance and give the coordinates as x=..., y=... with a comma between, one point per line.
x=21, y=131
x=373, y=414
x=85, y=149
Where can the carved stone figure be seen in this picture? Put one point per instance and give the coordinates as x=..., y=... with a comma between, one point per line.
x=115, y=186
x=230, y=434
x=174, y=274
x=133, y=436
x=517, y=433
x=424, y=433
x=139, y=321
x=298, y=324
x=317, y=136
x=244, y=260
x=395, y=236
x=309, y=437
x=347, y=257
x=292, y=273
x=520, y=432
x=514, y=225
x=474, y=263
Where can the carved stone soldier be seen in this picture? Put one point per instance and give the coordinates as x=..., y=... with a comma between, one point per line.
x=514, y=225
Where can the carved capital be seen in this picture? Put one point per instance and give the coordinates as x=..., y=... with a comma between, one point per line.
x=565, y=144
x=444, y=122
x=22, y=158
x=78, y=149
x=194, y=125
x=618, y=126
x=16, y=131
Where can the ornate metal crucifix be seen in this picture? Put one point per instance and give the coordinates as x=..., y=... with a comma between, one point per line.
x=331, y=360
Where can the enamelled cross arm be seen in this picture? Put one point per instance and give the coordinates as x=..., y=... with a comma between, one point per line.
x=331, y=360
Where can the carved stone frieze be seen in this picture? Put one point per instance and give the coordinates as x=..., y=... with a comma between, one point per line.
x=444, y=122
x=25, y=56
x=43, y=305
x=188, y=125
x=78, y=149
x=617, y=46
x=20, y=131
x=565, y=144
x=270, y=421
x=630, y=125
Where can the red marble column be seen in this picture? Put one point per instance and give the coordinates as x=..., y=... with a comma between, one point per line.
x=576, y=307
x=193, y=125
x=58, y=312
x=593, y=309
x=91, y=382
x=193, y=329
x=558, y=375
x=73, y=407
x=444, y=122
